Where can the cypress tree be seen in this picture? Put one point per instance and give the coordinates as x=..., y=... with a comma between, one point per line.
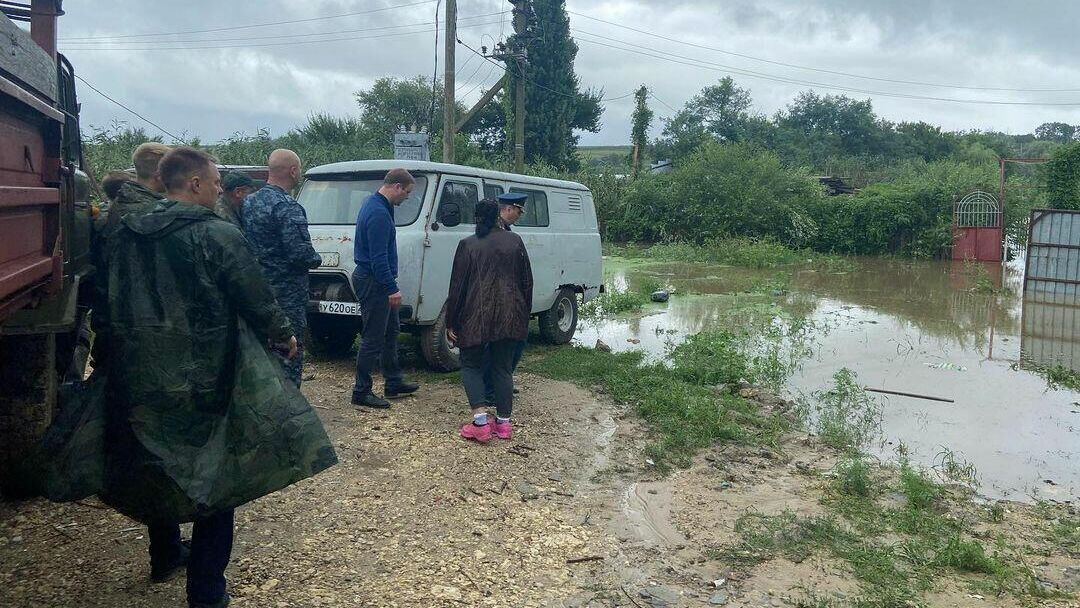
x=554, y=104
x=639, y=132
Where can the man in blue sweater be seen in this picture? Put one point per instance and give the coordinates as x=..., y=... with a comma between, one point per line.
x=375, y=283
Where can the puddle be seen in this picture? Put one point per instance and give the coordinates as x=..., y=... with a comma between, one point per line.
x=915, y=327
x=646, y=509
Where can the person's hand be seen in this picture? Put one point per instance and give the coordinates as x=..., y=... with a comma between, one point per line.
x=293, y=347
x=395, y=299
x=451, y=336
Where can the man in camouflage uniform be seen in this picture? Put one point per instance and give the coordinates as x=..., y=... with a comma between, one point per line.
x=277, y=231
x=235, y=186
x=143, y=193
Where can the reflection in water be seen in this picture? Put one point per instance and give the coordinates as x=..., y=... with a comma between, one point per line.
x=1050, y=334
x=920, y=327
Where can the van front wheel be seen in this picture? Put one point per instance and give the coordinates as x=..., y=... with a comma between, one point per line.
x=557, y=325
x=436, y=348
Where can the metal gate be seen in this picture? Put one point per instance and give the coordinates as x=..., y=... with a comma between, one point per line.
x=1051, y=315
x=977, y=228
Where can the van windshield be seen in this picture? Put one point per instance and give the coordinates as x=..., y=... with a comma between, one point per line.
x=333, y=199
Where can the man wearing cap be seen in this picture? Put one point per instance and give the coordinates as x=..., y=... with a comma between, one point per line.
x=235, y=186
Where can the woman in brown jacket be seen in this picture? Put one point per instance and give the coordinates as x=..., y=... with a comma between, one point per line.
x=487, y=314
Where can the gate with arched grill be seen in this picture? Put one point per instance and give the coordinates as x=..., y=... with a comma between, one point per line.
x=977, y=228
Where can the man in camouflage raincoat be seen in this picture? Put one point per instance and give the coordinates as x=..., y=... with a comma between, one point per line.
x=141, y=194
x=199, y=417
x=277, y=230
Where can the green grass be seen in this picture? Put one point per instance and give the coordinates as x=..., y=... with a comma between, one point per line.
x=896, y=553
x=620, y=301
x=1057, y=376
x=737, y=251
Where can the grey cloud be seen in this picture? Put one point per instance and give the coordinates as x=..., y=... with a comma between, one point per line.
x=213, y=93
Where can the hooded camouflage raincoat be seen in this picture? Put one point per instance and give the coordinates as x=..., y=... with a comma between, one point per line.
x=200, y=418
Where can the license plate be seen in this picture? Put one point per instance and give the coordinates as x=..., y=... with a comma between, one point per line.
x=339, y=308
x=330, y=259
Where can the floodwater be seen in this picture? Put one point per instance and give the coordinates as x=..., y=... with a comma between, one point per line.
x=913, y=327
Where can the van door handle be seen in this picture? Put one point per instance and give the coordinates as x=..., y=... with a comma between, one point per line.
x=427, y=242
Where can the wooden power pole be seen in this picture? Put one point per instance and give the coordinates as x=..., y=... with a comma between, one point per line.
x=449, y=105
x=521, y=8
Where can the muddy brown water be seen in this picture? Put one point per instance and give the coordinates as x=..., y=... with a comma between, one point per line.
x=916, y=327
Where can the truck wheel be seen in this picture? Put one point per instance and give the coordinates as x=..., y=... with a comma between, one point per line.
x=436, y=348
x=27, y=402
x=333, y=335
x=557, y=326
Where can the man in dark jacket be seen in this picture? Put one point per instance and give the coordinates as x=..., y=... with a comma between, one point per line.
x=180, y=282
x=141, y=194
x=236, y=187
x=277, y=229
x=375, y=283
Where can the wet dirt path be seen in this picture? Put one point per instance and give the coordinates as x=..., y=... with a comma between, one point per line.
x=568, y=514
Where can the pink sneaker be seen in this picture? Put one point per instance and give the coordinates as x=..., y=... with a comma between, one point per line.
x=503, y=430
x=479, y=434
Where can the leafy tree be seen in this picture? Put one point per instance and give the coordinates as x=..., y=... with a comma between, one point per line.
x=831, y=125
x=639, y=132
x=394, y=102
x=1059, y=132
x=555, y=106
x=719, y=112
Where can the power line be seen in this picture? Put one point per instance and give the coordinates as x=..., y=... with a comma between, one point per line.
x=140, y=116
x=306, y=35
x=243, y=27
x=662, y=102
x=537, y=84
x=486, y=77
x=821, y=70
x=270, y=44
x=689, y=61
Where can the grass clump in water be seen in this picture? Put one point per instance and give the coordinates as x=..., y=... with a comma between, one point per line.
x=846, y=417
x=619, y=301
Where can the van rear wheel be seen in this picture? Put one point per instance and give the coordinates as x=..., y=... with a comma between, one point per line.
x=557, y=325
x=436, y=348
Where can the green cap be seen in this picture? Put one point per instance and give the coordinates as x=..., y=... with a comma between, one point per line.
x=234, y=179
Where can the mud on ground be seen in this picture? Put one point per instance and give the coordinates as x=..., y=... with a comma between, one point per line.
x=569, y=513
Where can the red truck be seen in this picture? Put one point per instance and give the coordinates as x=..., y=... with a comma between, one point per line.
x=45, y=225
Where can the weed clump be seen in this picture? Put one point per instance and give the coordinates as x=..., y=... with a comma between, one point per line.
x=847, y=417
x=853, y=477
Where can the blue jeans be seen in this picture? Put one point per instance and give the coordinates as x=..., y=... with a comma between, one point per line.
x=378, y=337
x=211, y=547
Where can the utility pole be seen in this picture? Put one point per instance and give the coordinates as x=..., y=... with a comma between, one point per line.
x=521, y=8
x=449, y=105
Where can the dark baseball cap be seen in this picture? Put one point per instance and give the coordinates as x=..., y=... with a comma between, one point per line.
x=234, y=179
x=516, y=199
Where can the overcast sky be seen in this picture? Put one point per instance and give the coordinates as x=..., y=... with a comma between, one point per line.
x=276, y=75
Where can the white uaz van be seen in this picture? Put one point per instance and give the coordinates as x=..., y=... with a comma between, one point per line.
x=558, y=227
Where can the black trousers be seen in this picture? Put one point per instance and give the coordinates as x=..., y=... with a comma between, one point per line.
x=211, y=547
x=379, y=336
x=488, y=369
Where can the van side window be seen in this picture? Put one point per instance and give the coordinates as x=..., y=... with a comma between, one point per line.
x=466, y=196
x=492, y=191
x=536, y=208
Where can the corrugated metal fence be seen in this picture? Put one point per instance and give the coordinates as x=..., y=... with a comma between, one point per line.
x=1051, y=316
